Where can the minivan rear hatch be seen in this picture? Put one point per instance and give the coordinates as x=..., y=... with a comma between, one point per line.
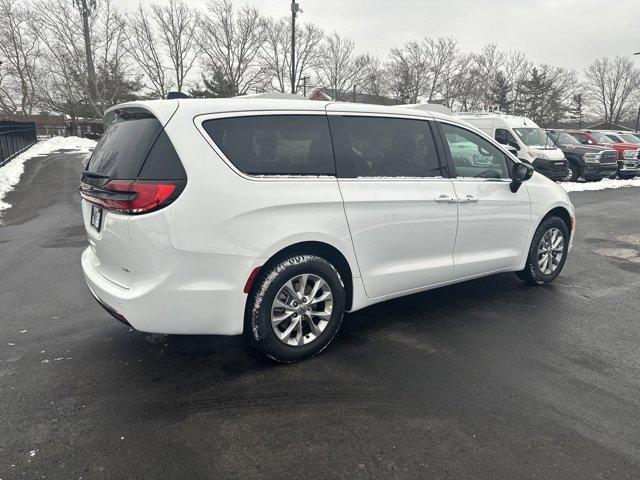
x=133, y=170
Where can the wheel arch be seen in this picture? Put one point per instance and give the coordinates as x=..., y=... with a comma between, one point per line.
x=562, y=213
x=576, y=161
x=321, y=249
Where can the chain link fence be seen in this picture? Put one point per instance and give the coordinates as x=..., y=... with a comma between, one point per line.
x=14, y=138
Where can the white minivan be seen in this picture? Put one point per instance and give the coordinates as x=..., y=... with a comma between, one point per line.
x=529, y=141
x=274, y=217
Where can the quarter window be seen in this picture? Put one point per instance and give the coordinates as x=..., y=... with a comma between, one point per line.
x=473, y=156
x=275, y=144
x=384, y=147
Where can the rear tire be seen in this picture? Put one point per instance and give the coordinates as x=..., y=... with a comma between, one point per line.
x=295, y=308
x=547, y=253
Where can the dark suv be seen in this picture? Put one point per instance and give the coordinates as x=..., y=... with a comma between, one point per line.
x=590, y=162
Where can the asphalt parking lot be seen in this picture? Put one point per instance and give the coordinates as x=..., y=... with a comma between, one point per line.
x=486, y=379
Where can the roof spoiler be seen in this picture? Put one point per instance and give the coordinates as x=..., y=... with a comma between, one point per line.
x=174, y=95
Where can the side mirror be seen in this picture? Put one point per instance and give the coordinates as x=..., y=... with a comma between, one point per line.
x=521, y=173
x=513, y=150
x=514, y=145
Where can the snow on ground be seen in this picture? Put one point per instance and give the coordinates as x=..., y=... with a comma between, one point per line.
x=10, y=174
x=603, y=184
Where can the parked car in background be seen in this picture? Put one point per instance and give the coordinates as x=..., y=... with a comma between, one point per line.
x=623, y=137
x=274, y=217
x=530, y=142
x=591, y=162
x=628, y=153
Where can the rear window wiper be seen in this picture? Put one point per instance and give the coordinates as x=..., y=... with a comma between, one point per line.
x=94, y=175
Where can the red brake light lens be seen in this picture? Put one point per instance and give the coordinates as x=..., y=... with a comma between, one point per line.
x=149, y=196
x=136, y=196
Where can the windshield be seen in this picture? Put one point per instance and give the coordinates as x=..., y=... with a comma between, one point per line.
x=532, y=136
x=563, y=138
x=600, y=138
x=629, y=138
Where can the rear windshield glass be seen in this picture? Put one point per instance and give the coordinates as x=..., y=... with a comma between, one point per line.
x=275, y=144
x=124, y=146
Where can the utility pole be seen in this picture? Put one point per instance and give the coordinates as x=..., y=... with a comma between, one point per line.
x=295, y=8
x=85, y=7
x=304, y=85
x=354, y=93
x=638, y=117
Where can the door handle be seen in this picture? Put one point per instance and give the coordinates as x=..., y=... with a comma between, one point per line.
x=468, y=199
x=446, y=199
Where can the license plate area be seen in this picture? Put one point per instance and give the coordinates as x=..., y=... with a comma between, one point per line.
x=96, y=217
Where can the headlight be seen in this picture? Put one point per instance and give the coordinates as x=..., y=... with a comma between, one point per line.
x=591, y=157
x=630, y=154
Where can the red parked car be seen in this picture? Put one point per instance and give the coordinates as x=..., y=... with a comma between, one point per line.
x=628, y=153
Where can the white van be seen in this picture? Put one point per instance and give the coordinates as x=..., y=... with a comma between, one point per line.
x=273, y=217
x=528, y=139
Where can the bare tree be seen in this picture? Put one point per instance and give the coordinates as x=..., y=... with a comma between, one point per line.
x=230, y=42
x=375, y=78
x=177, y=25
x=338, y=68
x=441, y=54
x=409, y=72
x=20, y=52
x=457, y=80
x=516, y=70
x=143, y=46
x=275, y=53
x=611, y=85
x=66, y=87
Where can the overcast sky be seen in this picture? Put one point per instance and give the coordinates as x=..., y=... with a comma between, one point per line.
x=569, y=33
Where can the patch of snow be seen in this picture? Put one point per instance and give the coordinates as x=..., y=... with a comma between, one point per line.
x=10, y=174
x=603, y=184
x=23, y=331
x=32, y=453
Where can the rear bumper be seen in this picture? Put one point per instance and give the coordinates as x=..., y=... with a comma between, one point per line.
x=198, y=294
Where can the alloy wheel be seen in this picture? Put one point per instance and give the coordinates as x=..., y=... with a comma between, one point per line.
x=301, y=309
x=550, y=251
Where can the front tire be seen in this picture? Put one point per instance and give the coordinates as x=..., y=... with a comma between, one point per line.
x=295, y=308
x=573, y=172
x=547, y=253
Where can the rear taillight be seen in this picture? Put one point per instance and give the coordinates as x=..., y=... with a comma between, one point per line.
x=133, y=197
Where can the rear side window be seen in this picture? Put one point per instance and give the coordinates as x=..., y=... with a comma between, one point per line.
x=275, y=144
x=384, y=147
x=124, y=146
